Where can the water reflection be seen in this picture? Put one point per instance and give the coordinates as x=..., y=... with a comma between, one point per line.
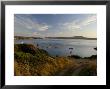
x=64, y=47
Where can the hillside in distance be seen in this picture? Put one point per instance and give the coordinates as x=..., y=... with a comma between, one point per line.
x=74, y=37
x=24, y=37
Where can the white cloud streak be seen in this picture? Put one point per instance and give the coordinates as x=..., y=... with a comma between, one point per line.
x=89, y=20
x=28, y=23
x=78, y=24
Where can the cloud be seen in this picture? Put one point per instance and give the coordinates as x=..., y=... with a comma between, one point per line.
x=28, y=23
x=79, y=23
x=89, y=20
x=42, y=27
x=36, y=34
x=71, y=25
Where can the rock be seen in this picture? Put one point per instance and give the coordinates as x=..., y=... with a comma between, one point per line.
x=95, y=48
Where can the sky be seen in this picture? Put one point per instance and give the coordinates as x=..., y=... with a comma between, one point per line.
x=55, y=25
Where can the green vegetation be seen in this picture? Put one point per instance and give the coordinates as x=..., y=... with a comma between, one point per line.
x=32, y=61
x=75, y=56
x=89, y=70
x=78, y=57
x=91, y=57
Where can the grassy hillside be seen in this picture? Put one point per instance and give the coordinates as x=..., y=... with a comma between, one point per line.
x=32, y=61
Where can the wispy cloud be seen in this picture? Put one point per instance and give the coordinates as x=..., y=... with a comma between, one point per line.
x=78, y=23
x=71, y=25
x=30, y=24
x=42, y=25
x=36, y=34
x=89, y=20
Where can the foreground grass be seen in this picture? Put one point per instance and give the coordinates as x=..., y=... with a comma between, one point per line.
x=32, y=61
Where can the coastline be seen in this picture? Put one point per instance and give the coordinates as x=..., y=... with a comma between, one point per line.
x=75, y=37
x=32, y=61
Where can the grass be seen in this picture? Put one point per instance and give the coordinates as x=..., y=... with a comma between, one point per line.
x=32, y=61
x=89, y=70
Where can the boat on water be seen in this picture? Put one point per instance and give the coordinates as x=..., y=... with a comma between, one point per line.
x=22, y=42
x=71, y=48
x=95, y=48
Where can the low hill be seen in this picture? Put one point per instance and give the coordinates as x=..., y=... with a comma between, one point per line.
x=75, y=37
x=23, y=37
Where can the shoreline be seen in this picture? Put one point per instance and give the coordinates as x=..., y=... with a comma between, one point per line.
x=32, y=61
x=69, y=51
x=72, y=37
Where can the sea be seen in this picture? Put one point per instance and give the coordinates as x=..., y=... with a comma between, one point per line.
x=63, y=47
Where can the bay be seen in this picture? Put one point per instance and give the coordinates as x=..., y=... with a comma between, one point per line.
x=64, y=47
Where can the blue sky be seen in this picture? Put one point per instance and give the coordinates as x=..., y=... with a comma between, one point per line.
x=55, y=25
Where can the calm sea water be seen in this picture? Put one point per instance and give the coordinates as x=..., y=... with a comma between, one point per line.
x=64, y=47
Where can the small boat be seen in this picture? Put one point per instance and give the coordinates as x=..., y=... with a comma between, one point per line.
x=56, y=47
x=95, y=48
x=22, y=42
x=49, y=46
x=37, y=45
x=71, y=48
x=70, y=52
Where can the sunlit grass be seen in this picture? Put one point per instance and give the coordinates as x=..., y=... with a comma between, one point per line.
x=32, y=61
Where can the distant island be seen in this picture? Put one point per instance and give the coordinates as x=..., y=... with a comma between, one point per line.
x=23, y=37
x=74, y=37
